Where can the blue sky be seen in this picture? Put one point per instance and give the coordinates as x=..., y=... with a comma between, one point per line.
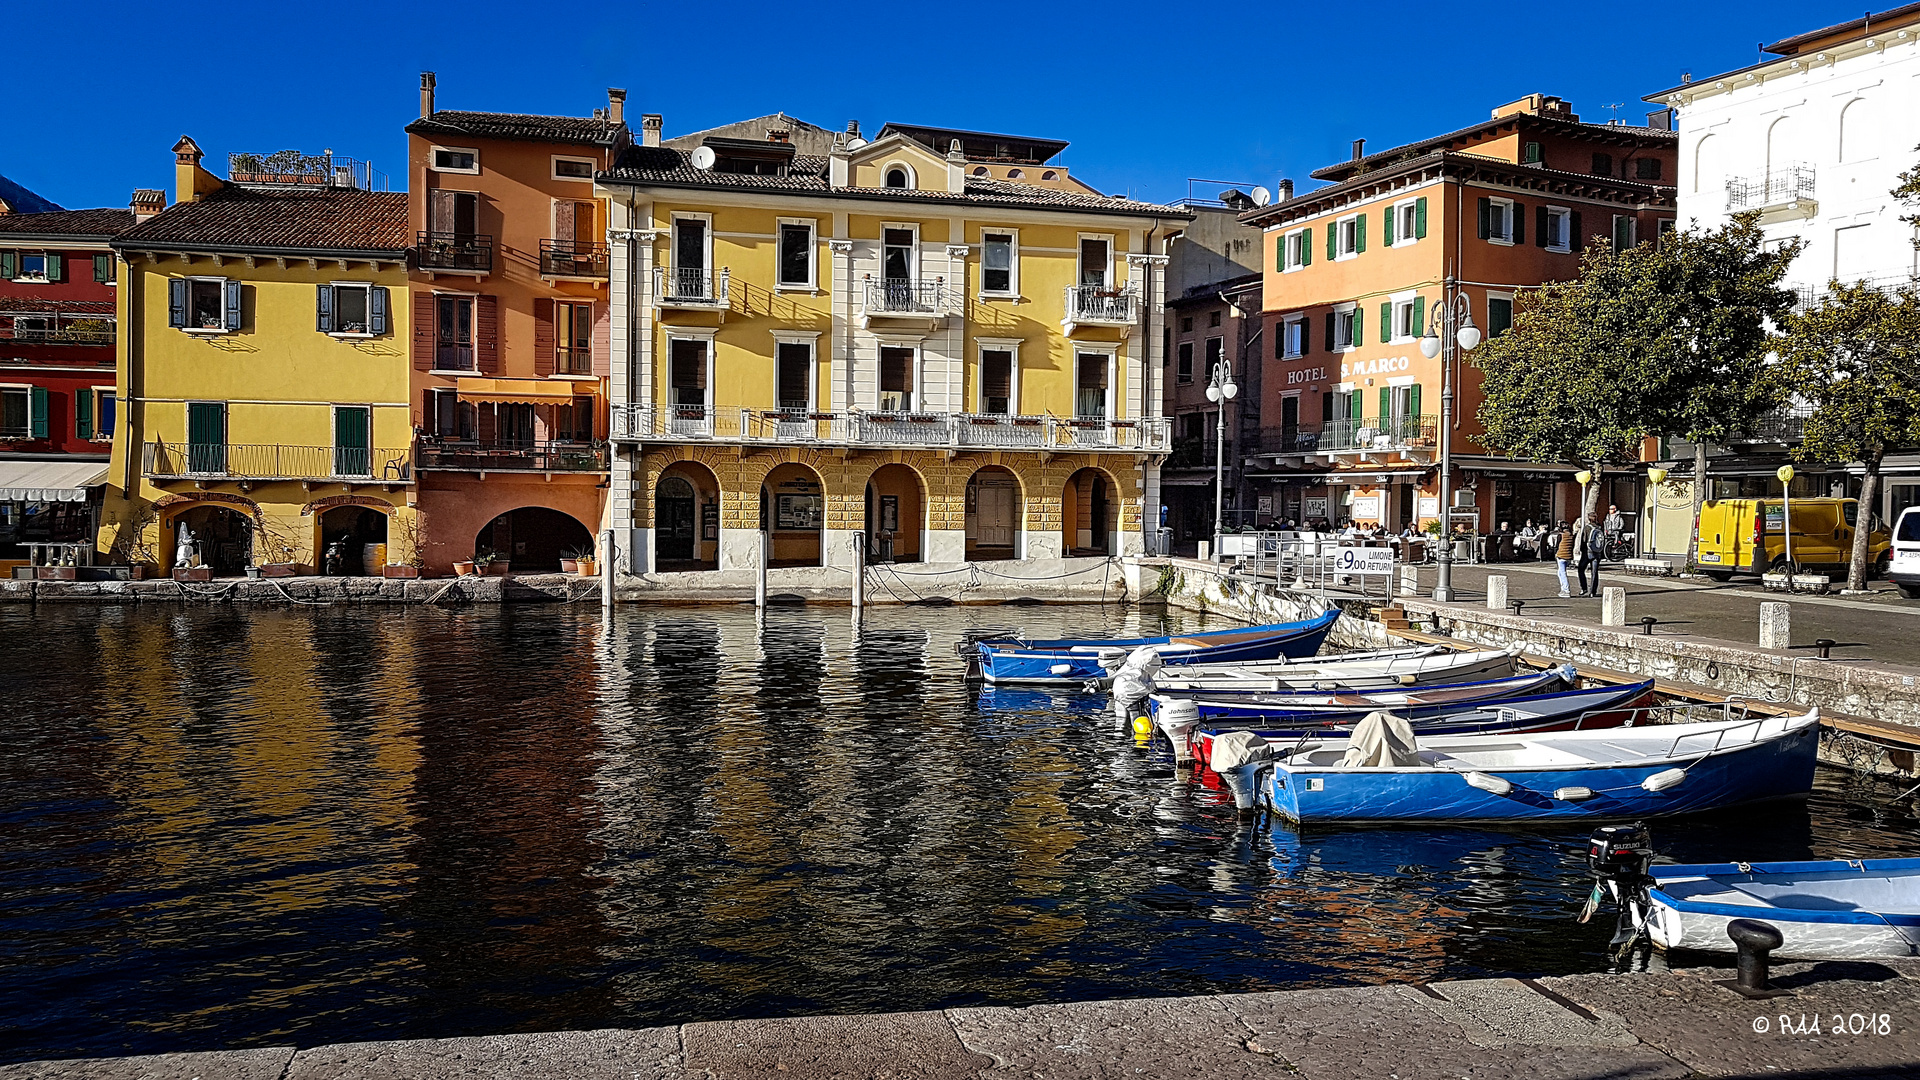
x=1149, y=95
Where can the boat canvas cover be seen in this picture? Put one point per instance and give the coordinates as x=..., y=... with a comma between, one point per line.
x=49, y=481
x=1380, y=740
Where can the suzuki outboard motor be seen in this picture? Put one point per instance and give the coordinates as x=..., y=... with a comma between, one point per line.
x=1618, y=857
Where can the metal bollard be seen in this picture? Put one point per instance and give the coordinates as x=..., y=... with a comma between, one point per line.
x=1647, y=623
x=1754, y=940
x=1825, y=645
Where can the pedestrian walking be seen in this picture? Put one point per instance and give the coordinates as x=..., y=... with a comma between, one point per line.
x=1591, y=542
x=1563, y=547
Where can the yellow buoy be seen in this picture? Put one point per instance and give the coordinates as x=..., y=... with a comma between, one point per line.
x=1142, y=728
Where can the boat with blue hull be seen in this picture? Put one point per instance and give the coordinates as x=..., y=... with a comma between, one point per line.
x=1075, y=661
x=1639, y=772
x=1831, y=909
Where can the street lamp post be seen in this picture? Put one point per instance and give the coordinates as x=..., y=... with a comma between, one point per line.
x=1451, y=328
x=1220, y=389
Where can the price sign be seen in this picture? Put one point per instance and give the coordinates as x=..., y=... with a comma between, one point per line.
x=1363, y=560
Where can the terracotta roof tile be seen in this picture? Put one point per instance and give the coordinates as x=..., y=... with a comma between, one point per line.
x=520, y=127
x=305, y=220
x=93, y=224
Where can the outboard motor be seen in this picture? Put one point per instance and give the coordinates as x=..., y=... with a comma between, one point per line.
x=1618, y=857
x=1178, y=717
x=968, y=647
x=1241, y=758
x=1133, y=683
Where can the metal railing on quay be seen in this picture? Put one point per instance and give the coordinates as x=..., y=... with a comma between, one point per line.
x=464, y=455
x=677, y=286
x=454, y=251
x=1101, y=303
x=573, y=258
x=273, y=461
x=1304, y=560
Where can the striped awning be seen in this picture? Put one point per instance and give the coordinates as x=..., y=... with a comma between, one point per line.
x=516, y=392
x=49, y=481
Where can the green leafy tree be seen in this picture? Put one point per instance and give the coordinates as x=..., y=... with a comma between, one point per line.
x=1909, y=193
x=1856, y=359
x=1666, y=338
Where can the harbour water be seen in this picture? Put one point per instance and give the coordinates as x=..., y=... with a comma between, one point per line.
x=225, y=828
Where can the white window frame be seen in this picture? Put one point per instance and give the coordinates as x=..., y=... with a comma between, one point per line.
x=1294, y=247
x=913, y=253
x=1403, y=304
x=553, y=168
x=1292, y=328
x=1564, y=215
x=1012, y=290
x=673, y=241
x=810, y=339
x=914, y=344
x=113, y=392
x=20, y=267
x=1345, y=229
x=1079, y=257
x=1341, y=313
x=433, y=159
x=1512, y=309
x=1110, y=352
x=981, y=347
x=689, y=333
x=913, y=176
x=1507, y=216
x=25, y=389
x=812, y=284
x=355, y=335
x=1405, y=219
x=210, y=331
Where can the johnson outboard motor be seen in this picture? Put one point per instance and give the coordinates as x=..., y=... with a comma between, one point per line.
x=1618, y=857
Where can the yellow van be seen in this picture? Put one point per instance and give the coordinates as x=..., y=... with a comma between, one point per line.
x=1747, y=536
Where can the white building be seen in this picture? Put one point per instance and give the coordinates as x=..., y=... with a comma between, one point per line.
x=1815, y=137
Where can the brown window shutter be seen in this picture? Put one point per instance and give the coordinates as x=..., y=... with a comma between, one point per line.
x=563, y=222
x=486, y=335
x=424, y=420
x=602, y=340
x=543, y=336
x=423, y=316
x=487, y=428
x=440, y=211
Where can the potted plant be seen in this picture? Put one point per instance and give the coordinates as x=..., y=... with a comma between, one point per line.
x=253, y=571
x=466, y=567
x=413, y=532
x=491, y=562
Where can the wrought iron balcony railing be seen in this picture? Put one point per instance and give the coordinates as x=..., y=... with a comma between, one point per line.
x=65, y=335
x=573, y=360
x=1787, y=425
x=472, y=252
x=272, y=461
x=1102, y=305
x=1380, y=433
x=511, y=456
x=894, y=296
x=874, y=428
x=678, y=287
x=573, y=258
x=1779, y=187
x=1290, y=440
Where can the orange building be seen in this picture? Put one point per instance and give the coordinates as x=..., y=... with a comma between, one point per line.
x=1349, y=404
x=509, y=345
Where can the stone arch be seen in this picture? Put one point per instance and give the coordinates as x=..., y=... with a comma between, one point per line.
x=995, y=513
x=895, y=517
x=1707, y=167
x=1090, y=504
x=1854, y=141
x=359, y=528
x=686, y=498
x=1782, y=137
x=793, y=511
x=533, y=539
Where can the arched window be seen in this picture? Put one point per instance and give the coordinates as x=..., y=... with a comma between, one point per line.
x=899, y=176
x=1781, y=148
x=1856, y=130
x=1014, y=174
x=1706, y=164
x=1049, y=175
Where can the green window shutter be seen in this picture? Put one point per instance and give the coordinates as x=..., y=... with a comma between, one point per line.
x=1360, y=234
x=1353, y=406
x=1419, y=316
x=83, y=412
x=56, y=267
x=9, y=265
x=1306, y=336
x=1386, y=403
x=103, y=268
x=1386, y=227
x=1519, y=212
x=1306, y=247
x=1420, y=218
x=1359, y=326
x=1486, y=212
x=1386, y=321
x=1279, y=251
x=1575, y=238
x=1333, y=233
x=1413, y=400
x=1331, y=339
x=37, y=415
x=1540, y=226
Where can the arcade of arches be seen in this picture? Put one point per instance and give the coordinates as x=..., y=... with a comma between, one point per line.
x=702, y=507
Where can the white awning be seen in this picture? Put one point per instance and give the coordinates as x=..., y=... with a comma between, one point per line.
x=49, y=481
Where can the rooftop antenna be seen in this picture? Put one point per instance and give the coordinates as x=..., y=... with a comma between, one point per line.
x=1616, y=107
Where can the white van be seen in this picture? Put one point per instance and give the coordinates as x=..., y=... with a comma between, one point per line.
x=1904, y=569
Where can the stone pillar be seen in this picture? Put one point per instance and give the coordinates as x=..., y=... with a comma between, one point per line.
x=1776, y=625
x=1497, y=592
x=1409, y=580
x=739, y=548
x=1613, y=606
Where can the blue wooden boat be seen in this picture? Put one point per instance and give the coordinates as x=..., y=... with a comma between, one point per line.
x=1832, y=909
x=1640, y=772
x=1073, y=661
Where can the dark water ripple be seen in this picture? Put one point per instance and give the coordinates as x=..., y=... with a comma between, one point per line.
x=223, y=829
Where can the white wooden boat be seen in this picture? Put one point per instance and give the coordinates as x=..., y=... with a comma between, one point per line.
x=1383, y=670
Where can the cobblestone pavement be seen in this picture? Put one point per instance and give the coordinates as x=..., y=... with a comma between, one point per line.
x=1839, y=1020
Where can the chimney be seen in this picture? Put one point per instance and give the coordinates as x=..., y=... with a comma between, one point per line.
x=426, y=94
x=147, y=202
x=650, y=129
x=779, y=135
x=1359, y=149
x=616, y=105
x=190, y=181
x=1286, y=190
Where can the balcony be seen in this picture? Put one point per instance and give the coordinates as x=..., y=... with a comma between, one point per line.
x=1380, y=436
x=573, y=259
x=1779, y=194
x=460, y=455
x=700, y=290
x=1808, y=297
x=1100, y=305
x=874, y=429
x=1290, y=440
x=64, y=335
x=1196, y=453
x=249, y=462
x=892, y=298
x=461, y=253
x=1782, y=426
x=573, y=360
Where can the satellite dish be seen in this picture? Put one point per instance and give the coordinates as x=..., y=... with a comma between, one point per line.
x=856, y=144
x=1261, y=196
x=702, y=157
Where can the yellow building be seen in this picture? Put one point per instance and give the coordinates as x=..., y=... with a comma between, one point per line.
x=936, y=343
x=263, y=367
